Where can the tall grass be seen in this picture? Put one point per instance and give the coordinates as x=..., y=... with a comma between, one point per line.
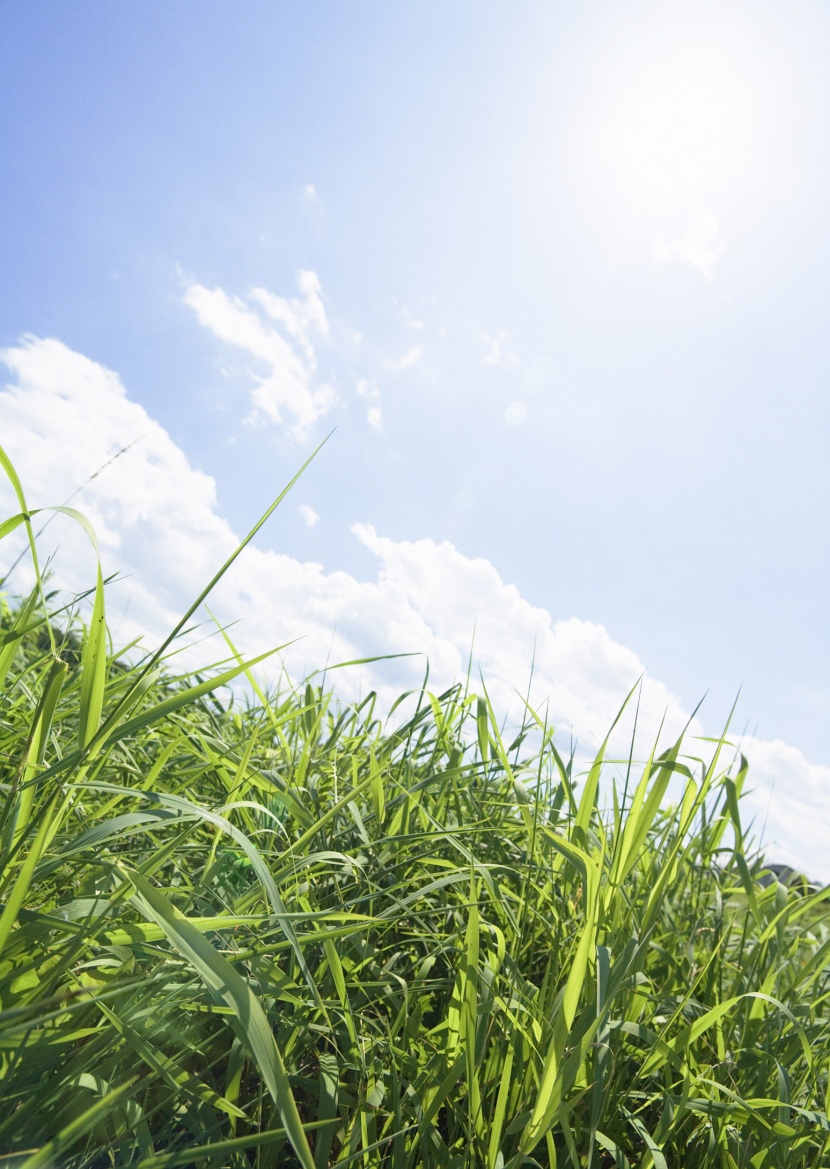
x=278, y=932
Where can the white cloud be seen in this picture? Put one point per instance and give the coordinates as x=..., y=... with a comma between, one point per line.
x=698, y=245
x=299, y=316
x=411, y=357
x=310, y=516
x=61, y=419
x=368, y=390
x=280, y=336
x=62, y=416
x=790, y=800
x=443, y=602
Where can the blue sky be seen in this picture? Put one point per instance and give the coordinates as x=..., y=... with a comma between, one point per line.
x=557, y=275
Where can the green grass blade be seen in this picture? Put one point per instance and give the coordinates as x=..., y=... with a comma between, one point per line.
x=93, y=668
x=227, y=986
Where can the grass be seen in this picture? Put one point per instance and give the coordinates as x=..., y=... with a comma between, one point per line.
x=281, y=932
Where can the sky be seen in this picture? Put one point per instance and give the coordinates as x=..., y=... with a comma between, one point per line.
x=553, y=280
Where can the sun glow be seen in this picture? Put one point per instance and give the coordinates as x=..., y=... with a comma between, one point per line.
x=678, y=134
x=680, y=126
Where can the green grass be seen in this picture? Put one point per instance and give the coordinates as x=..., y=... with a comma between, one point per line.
x=284, y=932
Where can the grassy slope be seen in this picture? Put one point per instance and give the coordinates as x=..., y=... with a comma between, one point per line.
x=280, y=934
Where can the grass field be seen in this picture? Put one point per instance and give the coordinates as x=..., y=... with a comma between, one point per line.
x=276, y=931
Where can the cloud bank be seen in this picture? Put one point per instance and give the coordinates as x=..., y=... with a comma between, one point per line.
x=62, y=416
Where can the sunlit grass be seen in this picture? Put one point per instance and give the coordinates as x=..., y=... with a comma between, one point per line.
x=280, y=932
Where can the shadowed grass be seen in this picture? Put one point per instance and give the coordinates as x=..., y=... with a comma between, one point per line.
x=281, y=933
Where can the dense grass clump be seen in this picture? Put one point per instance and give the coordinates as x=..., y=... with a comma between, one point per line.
x=277, y=932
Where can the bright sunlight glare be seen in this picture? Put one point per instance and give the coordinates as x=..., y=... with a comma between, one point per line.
x=680, y=134
x=680, y=130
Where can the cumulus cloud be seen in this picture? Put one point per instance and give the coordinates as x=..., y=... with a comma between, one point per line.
x=62, y=416
x=697, y=246
x=279, y=333
x=789, y=798
x=310, y=516
x=449, y=604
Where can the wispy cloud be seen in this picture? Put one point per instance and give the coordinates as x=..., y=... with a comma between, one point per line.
x=280, y=333
x=698, y=244
x=411, y=357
